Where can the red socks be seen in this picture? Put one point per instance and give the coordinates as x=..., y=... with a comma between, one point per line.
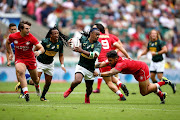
x=99, y=83
x=161, y=83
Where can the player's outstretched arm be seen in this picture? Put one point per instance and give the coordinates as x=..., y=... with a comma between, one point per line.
x=143, y=53
x=112, y=72
x=100, y=65
x=120, y=47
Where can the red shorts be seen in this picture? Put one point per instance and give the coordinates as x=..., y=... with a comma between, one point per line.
x=142, y=74
x=104, y=69
x=30, y=64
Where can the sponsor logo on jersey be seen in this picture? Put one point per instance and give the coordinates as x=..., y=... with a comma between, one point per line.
x=57, y=46
x=155, y=43
x=92, y=46
x=141, y=77
x=88, y=47
x=15, y=42
x=104, y=36
x=48, y=46
x=52, y=47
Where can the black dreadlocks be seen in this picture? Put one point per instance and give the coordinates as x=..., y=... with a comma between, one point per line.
x=62, y=37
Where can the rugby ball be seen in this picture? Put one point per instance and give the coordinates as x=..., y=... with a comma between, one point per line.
x=74, y=42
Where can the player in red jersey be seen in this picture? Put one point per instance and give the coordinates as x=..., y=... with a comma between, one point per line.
x=24, y=56
x=107, y=45
x=139, y=69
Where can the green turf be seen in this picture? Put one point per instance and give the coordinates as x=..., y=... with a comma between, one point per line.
x=104, y=106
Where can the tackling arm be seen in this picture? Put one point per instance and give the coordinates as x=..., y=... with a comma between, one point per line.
x=100, y=65
x=112, y=72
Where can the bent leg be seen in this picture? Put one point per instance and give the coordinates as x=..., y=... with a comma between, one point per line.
x=153, y=77
x=48, y=80
x=34, y=76
x=77, y=80
x=20, y=73
x=146, y=87
x=89, y=84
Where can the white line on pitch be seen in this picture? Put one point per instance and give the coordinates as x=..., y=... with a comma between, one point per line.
x=48, y=93
x=92, y=104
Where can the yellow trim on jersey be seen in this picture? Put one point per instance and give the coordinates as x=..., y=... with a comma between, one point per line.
x=153, y=49
x=50, y=53
x=86, y=56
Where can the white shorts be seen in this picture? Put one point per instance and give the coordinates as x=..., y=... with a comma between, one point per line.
x=88, y=75
x=157, y=66
x=46, y=68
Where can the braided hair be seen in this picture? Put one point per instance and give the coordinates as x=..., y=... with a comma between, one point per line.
x=87, y=34
x=62, y=37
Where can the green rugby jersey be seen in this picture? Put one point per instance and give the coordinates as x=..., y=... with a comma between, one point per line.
x=156, y=46
x=85, y=61
x=50, y=50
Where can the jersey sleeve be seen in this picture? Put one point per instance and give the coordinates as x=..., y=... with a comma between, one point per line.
x=61, y=50
x=113, y=41
x=10, y=38
x=120, y=66
x=148, y=45
x=34, y=41
x=162, y=43
x=43, y=43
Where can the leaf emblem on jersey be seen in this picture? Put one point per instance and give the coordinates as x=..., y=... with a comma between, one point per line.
x=48, y=46
x=92, y=46
x=57, y=46
x=27, y=43
x=155, y=43
x=15, y=42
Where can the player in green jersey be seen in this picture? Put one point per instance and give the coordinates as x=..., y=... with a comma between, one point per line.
x=89, y=50
x=157, y=47
x=52, y=44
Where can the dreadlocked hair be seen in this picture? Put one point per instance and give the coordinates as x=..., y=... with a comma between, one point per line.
x=62, y=37
x=87, y=34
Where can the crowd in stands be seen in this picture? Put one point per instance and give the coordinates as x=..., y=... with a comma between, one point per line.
x=130, y=20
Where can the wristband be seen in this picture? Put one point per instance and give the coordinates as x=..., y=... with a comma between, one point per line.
x=99, y=74
x=62, y=65
x=39, y=51
x=156, y=53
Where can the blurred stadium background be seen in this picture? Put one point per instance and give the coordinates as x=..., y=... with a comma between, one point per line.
x=130, y=20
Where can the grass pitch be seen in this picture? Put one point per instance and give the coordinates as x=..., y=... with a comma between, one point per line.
x=103, y=106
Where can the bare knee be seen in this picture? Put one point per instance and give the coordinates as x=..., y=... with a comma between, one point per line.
x=143, y=93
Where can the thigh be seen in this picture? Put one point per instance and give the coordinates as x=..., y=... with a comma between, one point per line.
x=114, y=79
x=78, y=77
x=48, y=78
x=144, y=85
x=34, y=74
x=107, y=79
x=20, y=68
x=159, y=75
x=89, y=83
x=153, y=75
